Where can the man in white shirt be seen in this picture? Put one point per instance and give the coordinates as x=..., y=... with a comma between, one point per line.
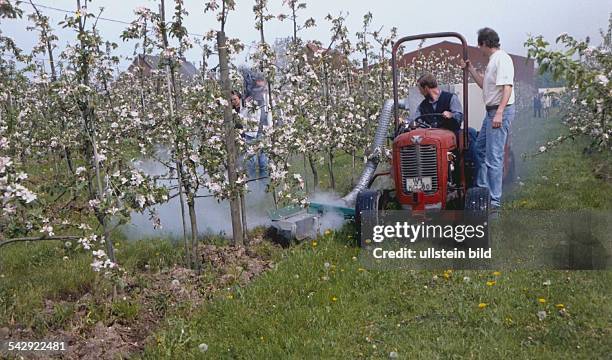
x=498, y=92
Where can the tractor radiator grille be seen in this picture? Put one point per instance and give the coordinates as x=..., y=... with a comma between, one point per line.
x=419, y=161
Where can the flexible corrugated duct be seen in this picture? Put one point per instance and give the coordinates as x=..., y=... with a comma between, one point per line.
x=386, y=114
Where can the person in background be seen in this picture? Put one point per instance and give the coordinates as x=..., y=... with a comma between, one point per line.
x=546, y=104
x=537, y=106
x=236, y=101
x=257, y=165
x=498, y=92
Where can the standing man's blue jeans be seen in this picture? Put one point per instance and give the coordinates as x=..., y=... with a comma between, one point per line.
x=490, y=147
x=257, y=162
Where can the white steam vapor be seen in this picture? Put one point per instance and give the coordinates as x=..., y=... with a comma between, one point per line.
x=213, y=216
x=330, y=220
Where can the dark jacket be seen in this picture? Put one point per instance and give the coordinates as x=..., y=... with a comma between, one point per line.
x=442, y=105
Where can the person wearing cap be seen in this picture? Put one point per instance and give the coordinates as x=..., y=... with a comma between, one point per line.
x=259, y=95
x=498, y=92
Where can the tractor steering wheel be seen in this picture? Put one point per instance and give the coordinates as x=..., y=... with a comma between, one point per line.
x=421, y=123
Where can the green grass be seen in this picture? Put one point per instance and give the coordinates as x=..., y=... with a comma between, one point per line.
x=303, y=309
x=31, y=273
x=564, y=180
x=561, y=178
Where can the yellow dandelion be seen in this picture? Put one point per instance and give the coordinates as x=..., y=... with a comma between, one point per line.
x=327, y=232
x=334, y=299
x=482, y=305
x=313, y=243
x=496, y=273
x=491, y=283
x=560, y=306
x=542, y=300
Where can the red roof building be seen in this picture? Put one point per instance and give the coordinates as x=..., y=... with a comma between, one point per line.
x=524, y=68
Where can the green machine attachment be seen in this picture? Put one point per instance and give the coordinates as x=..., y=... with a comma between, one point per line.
x=295, y=222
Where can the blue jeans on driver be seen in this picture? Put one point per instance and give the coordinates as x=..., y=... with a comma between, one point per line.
x=490, y=147
x=257, y=162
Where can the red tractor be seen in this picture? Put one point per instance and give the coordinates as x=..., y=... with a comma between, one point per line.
x=429, y=165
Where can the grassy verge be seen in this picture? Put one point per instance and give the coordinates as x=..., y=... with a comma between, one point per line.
x=305, y=309
x=40, y=282
x=569, y=176
x=321, y=303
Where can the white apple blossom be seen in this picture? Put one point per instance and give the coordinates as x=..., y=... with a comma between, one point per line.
x=47, y=229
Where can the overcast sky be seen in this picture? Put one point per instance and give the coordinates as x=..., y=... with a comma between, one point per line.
x=512, y=19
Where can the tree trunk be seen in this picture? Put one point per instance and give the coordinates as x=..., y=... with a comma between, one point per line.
x=181, y=192
x=305, y=172
x=315, y=173
x=366, y=98
x=195, y=264
x=230, y=140
x=330, y=168
x=87, y=114
x=353, y=171
x=243, y=216
x=171, y=106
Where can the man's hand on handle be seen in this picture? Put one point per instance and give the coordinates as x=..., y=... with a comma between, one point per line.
x=467, y=64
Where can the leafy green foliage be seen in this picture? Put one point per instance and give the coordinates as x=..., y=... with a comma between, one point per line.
x=586, y=71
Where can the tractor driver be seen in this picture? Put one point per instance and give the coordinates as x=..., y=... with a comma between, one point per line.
x=438, y=101
x=447, y=104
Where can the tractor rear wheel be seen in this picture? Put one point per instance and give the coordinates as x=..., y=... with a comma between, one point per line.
x=478, y=199
x=367, y=200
